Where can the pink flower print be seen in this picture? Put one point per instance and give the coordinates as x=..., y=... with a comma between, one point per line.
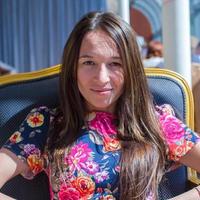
x=103, y=123
x=117, y=168
x=101, y=176
x=177, y=151
x=172, y=128
x=78, y=155
x=30, y=149
x=68, y=192
x=91, y=167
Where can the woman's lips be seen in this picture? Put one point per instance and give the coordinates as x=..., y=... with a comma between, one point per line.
x=102, y=91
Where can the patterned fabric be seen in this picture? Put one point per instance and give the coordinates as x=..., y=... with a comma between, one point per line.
x=89, y=169
x=179, y=138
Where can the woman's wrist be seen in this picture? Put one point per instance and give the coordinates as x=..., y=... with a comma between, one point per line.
x=5, y=197
x=198, y=190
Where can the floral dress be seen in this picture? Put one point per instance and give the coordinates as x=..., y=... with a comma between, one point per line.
x=90, y=167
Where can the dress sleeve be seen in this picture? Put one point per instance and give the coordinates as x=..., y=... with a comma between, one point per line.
x=179, y=138
x=28, y=142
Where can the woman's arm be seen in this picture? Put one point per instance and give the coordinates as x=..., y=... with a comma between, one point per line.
x=5, y=197
x=10, y=167
x=192, y=158
x=190, y=195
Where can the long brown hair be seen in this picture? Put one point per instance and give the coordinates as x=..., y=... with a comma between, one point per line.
x=143, y=154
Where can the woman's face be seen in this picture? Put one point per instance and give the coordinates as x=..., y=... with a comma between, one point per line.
x=100, y=71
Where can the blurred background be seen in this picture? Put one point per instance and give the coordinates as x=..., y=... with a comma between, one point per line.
x=33, y=33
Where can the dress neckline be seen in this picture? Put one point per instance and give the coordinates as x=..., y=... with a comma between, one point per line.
x=102, y=122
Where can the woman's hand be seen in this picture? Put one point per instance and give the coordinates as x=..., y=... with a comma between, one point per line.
x=10, y=166
x=190, y=195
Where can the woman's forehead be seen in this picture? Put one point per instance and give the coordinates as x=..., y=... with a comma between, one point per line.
x=98, y=42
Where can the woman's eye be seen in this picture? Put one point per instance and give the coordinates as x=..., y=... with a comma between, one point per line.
x=115, y=64
x=88, y=62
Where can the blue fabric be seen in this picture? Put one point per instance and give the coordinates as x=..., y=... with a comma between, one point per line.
x=33, y=33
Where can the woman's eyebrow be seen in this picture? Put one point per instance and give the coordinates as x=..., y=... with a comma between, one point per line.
x=116, y=57
x=90, y=56
x=85, y=56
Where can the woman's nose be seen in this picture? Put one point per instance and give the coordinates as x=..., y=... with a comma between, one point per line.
x=103, y=74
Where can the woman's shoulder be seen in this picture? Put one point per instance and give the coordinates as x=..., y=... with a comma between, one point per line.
x=177, y=135
x=43, y=111
x=29, y=140
x=166, y=109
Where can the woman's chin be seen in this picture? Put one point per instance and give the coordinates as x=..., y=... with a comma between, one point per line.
x=102, y=108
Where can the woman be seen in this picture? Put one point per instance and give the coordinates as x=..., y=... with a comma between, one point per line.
x=107, y=140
